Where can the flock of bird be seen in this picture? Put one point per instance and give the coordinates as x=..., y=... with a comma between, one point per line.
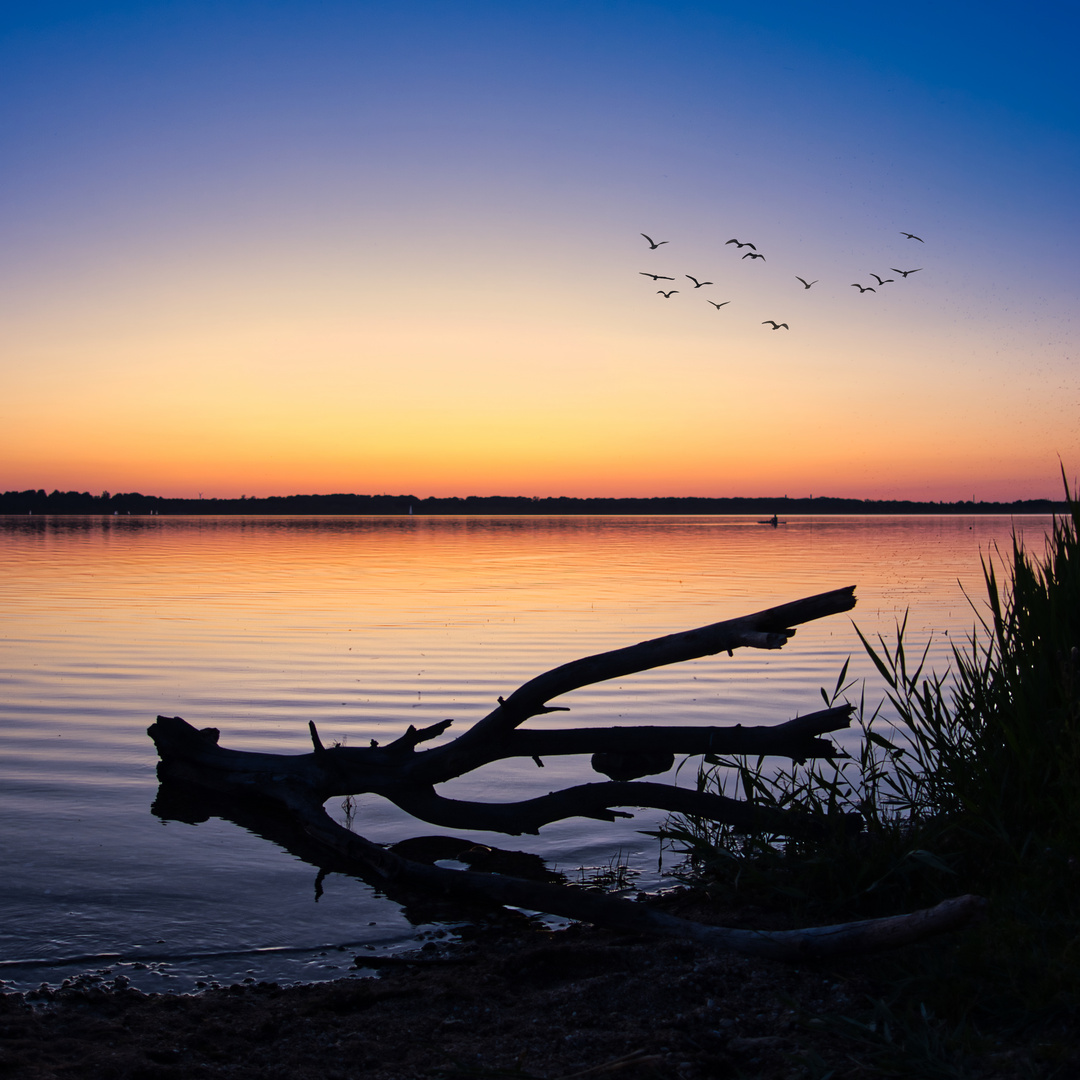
x=752, y=254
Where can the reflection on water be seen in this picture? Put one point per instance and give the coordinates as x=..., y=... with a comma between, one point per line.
x=366, y=625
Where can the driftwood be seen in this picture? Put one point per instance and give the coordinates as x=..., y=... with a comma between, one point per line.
x=283, y=795
x=407, y=775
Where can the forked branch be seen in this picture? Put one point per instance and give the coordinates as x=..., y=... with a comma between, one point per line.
x=402, y=767
x=273, y=787
x=769, y=629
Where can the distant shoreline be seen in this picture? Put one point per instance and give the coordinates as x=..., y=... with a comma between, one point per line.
x=72, y=502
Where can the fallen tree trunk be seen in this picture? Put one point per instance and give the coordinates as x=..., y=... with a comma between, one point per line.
x=404, y=774
x=867, y=935
x=309, y=832
x=296, y=786
x=193, y=756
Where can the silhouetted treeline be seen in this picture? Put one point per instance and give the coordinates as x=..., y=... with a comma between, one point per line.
x=74, y=502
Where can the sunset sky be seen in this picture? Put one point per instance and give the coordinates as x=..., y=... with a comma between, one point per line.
x=275, y=247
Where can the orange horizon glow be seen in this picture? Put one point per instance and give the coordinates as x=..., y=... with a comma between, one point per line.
x=629, y=399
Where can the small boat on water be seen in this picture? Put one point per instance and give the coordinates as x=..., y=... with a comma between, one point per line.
x=774, y=521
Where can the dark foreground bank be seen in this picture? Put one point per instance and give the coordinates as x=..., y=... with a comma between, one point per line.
x=513, y=1000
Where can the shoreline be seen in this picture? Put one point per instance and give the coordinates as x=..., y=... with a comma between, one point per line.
x=506, y=999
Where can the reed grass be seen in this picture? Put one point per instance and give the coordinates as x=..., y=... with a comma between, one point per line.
x=972, y=785
x=614, y=876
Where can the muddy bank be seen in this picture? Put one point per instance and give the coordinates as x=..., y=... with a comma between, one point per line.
x=511, y=999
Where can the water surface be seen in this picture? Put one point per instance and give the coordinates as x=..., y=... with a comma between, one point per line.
x=366, y=625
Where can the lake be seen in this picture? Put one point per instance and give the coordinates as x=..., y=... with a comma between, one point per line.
x=366, y=625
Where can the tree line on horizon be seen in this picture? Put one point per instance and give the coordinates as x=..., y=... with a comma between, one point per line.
x=74, y=502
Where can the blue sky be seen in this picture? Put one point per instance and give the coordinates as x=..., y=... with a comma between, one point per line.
x=396, y=247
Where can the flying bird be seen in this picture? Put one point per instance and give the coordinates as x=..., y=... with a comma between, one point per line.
x=776, y=325
x=881, y=280
x=698, y=284
x=807, y=284
x=912, y=236
x=716, y=305
x=862, y=288
x=905, y=272
x=751, y=255
x=655, y=277
x=666, y=295
x=654, y=244
x=741, y=244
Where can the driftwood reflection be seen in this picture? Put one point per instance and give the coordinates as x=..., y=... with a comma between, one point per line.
x=269, y=820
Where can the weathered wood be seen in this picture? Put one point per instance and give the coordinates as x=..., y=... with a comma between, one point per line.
x=238, y=772
x=597, y=801
x=768, y=629
x=863, y=936
x=347, y=770
x=869, y=935
x=407, y=775
x=283, y=795
x=793, y=739
x=304, y=828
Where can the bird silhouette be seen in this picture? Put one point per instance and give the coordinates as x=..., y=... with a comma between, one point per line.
x=698, y=284
x=862, y=288
x=654, y=244
x=741, y=243
x=905, y=272
x=881, y=280
x=751, y=255
x=716, y=305
x=655, y=277
x=807, y=284
x=667, y=295
x=776, y=325
x=912, y=236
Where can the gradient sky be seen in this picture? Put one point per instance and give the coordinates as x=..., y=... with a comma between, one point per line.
x=265, y=248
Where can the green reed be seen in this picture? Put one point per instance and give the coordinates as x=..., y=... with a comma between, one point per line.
x=973, y=786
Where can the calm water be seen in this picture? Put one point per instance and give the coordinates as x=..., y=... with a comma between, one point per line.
x=257, y=626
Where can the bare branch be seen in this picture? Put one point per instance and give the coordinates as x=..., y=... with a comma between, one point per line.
x=283, y=795
x=793, y=739
x=596, y=801
x=413, y=736
x=406, y=776
x=769, y=629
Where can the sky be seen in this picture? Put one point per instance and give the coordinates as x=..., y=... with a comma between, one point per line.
x=270, y=247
